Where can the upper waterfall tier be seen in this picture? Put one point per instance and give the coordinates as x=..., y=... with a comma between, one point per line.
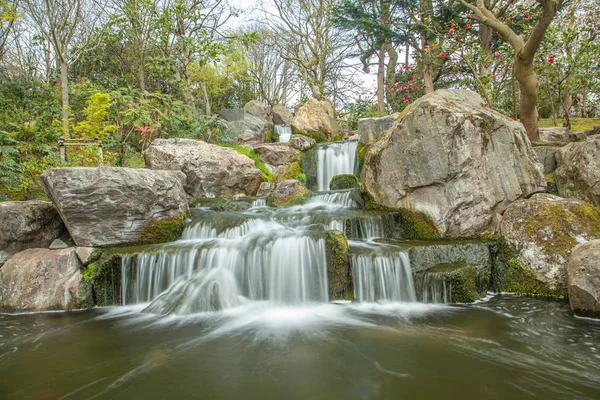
x=335, y=159
x=284, y=132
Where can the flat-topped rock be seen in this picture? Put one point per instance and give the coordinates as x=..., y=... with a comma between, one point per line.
x=275, y=153
x=107, y=206
x=369, y=129
x=210, y=170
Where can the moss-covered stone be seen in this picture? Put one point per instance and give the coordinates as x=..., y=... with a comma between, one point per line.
x=309, y=166
x=519, y=280
x=344, y=181
x=459, y=282
x=291, y=171
x=271, y=136
x=339, y=273
x=104, y=274
x=295, y=200
x=232, y=205
x=362, y=152
x=162, y=231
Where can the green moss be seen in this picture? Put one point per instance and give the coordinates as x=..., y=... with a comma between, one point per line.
x=296, y=131
x=301, y=177
x=89, y=273
x=339, y=275
x=344, y=181
x=362, y=152
x=296, y=200
x=162, y=231
x=336, y=138
x=272, y=136
x=104, y=275
x=519, y=280
x=463, y=283
x=317, y=136
x=550, y=177
x=260, y=164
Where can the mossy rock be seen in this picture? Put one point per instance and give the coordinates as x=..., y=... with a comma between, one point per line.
x=291, y=171
x=460, y=282
x=339, y=273
x=271, y=136
x=521, y=281
x=162, y=231
x=231, y=206
x=295, y=200
x=344, y=181
x=361, y=152
x=317, y=136
x=105, y=275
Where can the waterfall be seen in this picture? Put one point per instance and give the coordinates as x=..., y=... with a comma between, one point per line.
x=341, y=198
x=382, y=278
x=434, y=288
x=260, y=202
x=283, y=266
x=335, y=159
x=284, y=132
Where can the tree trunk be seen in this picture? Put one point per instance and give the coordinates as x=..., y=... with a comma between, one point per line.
x=485, y=37
x=426, y=6
x=391, y=68
x=528, y=85
x=206, y=99
x=141, y=76
x=380, y=80
x=64, y=86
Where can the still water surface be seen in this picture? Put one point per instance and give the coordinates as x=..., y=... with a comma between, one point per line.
x=506, y=348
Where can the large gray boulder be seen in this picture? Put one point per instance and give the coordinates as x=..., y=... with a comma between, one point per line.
x=282, y=115
x=578, y=172
x=583, y=272
x=554, y=134
x=27, y=224
x=316, y=117
x=289, y=193
x=109, y=206
x=259, y=109
x=543, y=231
x=369, y=129
x=42, y=279
x=240, y=122
x=275, y=153
x=454, y=159
x=547, y=157
x=210, y=170
x=301, y=142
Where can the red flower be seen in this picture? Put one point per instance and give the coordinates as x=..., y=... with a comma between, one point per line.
x=393, y=90
x=468, y=26
x=443, y=55
x=410, y=78
x=497, y=54
x=452, y=25
x=551, y=60
x=451, y=31
x=528, y=17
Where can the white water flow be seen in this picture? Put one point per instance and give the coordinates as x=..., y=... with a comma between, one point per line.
x=434, y=288
x=284, y=132
x=342, y=198
x=382, y=278
x=335, y=159
x=258, y=260
x=260, y=202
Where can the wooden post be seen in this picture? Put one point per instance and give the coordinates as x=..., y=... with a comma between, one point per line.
x=62, y=149
x=100, y=152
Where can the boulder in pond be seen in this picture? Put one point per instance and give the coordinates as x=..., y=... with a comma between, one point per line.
x=583, y=272
x=108, y=206
x=451, y=157
x=344, y=181
x=542, y=232
x=210, y=170
x=578, y=172
x=339, y=272
x=42, y=279
x=290, y=192
x=28, y=224
x=316, y=118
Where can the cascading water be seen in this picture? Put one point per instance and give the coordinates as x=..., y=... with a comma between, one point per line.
x=342, y=198
x=382, y=278
x=284, y=132
x=335, y=159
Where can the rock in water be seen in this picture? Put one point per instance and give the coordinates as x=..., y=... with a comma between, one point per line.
x=211, y=170
x=316, y=117
x=41, y=279
x=290, y=193
x=454, y=159
x=543, y=231
x=108, y=206
x=583, y=272
x=578, y=172
x=27, y=224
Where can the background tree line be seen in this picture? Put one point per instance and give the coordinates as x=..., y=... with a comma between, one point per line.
x=130, y=71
